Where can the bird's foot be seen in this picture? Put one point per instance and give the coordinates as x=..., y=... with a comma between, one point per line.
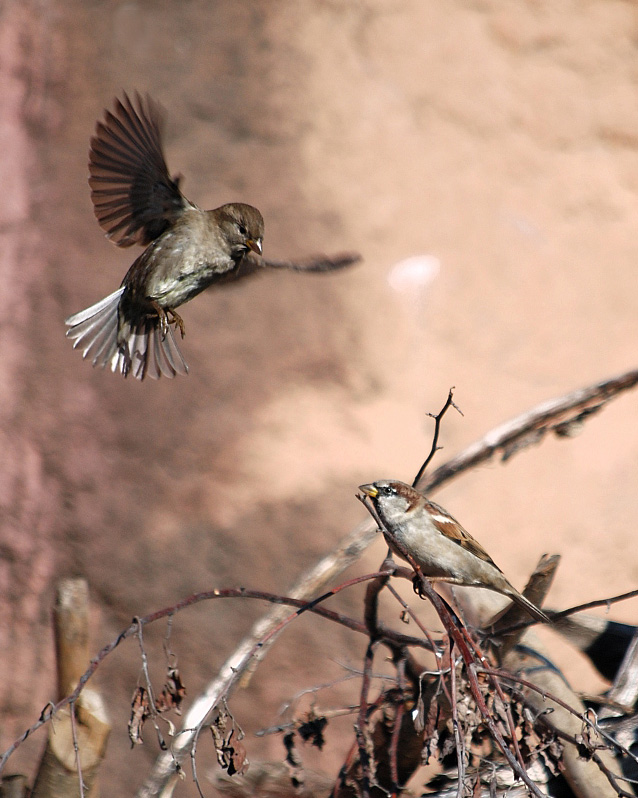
x=416, y=585
x=177, y=320
x=164, y=319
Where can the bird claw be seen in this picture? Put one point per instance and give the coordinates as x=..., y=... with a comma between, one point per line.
x=177, y=320
x=416, y=585
x=164, y=320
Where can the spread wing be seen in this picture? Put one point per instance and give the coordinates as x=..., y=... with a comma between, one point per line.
x=134, y=197
x=451, y=528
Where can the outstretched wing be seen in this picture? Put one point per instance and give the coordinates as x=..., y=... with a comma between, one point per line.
x=134, y=197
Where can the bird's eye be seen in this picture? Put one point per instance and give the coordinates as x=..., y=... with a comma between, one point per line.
x=242, y=230
x=389, y=490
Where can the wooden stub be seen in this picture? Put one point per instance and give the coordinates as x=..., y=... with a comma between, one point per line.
x=71, y=619
x=58, y=773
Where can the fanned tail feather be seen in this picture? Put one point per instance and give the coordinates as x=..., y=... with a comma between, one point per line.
x=94, y=330
x=144, y=350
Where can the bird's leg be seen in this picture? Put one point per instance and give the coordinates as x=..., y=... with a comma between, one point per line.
x=161, y=314
x=164, y=320
x=177, y=320
x=450, y=580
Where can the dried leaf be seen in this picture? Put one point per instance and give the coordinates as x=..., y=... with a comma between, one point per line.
x=173, y=693
x=231, y=753
x=140, y=711
x=237, y=758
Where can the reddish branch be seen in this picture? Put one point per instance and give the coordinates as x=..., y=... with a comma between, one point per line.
x=134, y=629
x=561, y=416
x=459, y=638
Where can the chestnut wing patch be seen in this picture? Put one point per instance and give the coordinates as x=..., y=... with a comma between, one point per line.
x=454, y=531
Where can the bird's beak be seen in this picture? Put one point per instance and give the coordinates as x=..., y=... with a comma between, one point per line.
x=255, y=245
x=369, y=490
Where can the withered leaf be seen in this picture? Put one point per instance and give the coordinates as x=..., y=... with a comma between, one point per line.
x=237, y=758
x=173, y=693
x=231, y=754
x=140, y=711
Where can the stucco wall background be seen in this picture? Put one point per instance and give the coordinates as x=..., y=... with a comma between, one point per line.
x=497, y=142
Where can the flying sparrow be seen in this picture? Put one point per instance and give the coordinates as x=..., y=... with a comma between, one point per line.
x=444, y=551
x=136, y=201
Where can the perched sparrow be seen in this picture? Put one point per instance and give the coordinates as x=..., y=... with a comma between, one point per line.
x=439, y=545
x=187, y=249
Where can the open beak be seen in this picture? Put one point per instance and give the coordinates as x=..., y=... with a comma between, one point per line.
x=255, y=245
x=369, y=490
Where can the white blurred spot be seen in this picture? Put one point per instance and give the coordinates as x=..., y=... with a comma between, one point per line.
x=413, y=275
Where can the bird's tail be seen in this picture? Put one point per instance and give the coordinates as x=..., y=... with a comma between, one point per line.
x=136, y=347
x=530, y=608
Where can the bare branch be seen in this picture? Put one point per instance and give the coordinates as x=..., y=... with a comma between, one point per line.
x=76, y=748
x=232, y=668
x=559, y=415
x=563, y=416
x=435, y=438
x=590, y=605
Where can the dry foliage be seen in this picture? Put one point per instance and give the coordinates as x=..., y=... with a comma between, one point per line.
x=484, y=701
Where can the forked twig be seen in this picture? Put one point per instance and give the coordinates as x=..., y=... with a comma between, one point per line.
x=438, y=418
x=559, y=415
x=563, y=416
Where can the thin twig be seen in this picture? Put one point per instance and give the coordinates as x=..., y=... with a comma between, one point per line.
x=196, y=598
x=435, y=438
x=590, y=605
x=561, y=416
x=459, y=740
x=396, y=728
x=612, y=778
x=555, y=415
x=361, y=726
x=194, y=766
x=556, y=700
x=293, y=725
x=76, y=748
x=436, y=650
x=152, y=704
x=555, y=615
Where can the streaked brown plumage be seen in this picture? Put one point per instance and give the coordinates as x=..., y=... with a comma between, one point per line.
x=438, y=543
x=187, y=249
